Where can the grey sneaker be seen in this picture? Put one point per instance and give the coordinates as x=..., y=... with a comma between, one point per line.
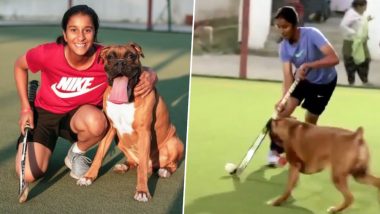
x=78, y=163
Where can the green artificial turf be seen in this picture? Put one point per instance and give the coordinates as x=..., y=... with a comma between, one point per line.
x=225, y=118
x=169, y=55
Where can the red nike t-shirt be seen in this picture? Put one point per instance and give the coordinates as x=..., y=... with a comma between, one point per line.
x=64, y=88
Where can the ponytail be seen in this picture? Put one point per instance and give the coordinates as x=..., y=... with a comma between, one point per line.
x=60, y=40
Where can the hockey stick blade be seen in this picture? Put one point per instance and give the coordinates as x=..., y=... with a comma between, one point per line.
x=251, y=151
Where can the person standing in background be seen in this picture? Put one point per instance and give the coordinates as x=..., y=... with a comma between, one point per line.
x=356, y=57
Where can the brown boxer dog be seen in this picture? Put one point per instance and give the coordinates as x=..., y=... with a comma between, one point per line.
x=146, y=136
x=309, y=149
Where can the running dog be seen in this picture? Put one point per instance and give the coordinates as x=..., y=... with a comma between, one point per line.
x=146, y=136
x=309, y=149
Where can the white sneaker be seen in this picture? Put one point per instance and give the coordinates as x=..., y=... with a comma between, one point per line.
x=273, y=158
x=276, y=160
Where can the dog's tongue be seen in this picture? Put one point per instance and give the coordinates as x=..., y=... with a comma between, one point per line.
x=119, y=90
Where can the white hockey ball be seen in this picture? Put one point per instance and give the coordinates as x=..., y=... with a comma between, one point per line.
x=230, y=167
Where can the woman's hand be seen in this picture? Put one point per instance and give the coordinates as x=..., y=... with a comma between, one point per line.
x=148, y=79
x=302, y=71
x=26, y=117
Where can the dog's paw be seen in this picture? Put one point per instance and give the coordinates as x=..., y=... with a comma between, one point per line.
x=275, y=202
x=120, y=168
x=83, y=181
x=331, y=210
x=270, y=202
x=142, y=196
x=164, y=173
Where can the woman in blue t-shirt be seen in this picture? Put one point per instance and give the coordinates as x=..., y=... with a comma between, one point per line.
x=313, y=58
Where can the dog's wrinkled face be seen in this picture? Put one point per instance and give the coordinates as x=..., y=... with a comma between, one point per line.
x=278, y=129
x=123, y=67
x=122, y=60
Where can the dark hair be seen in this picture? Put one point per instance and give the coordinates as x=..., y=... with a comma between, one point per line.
x=357, y=3
x=78, y=9
x=288, y=13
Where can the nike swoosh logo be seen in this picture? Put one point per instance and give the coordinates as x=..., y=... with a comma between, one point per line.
x=319, y=96
x=299, y=54
x=72, y=94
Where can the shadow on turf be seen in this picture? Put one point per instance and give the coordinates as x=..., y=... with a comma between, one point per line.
x=175, y=94
x=55, y=172
x=170, y=59
x=8, y=151
x=249, y=196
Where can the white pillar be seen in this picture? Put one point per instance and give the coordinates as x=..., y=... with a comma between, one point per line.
x=259, y=22
x=373, y=9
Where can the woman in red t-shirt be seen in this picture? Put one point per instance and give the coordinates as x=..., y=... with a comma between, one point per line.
x=68, y=103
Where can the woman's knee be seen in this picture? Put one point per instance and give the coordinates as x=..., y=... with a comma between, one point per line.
x=311, y=118
x=91, y=120
x=96, y=124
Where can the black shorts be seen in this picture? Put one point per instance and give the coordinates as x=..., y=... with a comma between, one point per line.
x=49, y=126
x=314, y=97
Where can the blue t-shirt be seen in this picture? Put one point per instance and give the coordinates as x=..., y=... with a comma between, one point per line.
x=307, y=49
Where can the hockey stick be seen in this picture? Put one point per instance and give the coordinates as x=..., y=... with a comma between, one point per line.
x=23, y=186
x=256, y=144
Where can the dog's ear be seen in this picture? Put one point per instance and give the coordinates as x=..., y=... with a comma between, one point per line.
x=359, y=134
x=103, y=54
x=272, y=128
x=137, y=47
x=269, y=125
